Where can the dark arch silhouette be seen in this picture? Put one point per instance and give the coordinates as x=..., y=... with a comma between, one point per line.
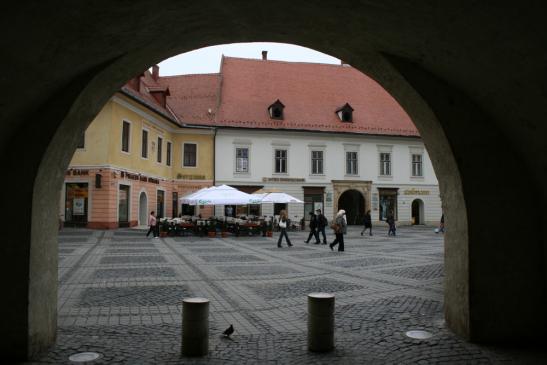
x=353, y=202
x=479, y=109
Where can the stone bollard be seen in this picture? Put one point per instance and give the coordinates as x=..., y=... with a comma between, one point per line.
x=320, y=322
x=195, y=327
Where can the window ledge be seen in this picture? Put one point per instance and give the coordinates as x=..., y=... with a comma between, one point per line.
x=385, y=177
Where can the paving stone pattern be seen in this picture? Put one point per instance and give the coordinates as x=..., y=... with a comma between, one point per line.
x=364, y=261
x=134, y=273
x=301, y=288
x=131, y=259
x=133, y=296
x=231, y=258
x=257, y=270
x=418, y=272
x=131, y=311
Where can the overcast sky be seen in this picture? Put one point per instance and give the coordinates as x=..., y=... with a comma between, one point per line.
x=207, y=60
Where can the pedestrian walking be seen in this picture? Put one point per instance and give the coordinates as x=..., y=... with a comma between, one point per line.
x=441, y=225
x=367, y=223
x=313, y=229
x=339, y=227
x=283, y=223
x=152, y=223
x=322, y=223
x=391, y=222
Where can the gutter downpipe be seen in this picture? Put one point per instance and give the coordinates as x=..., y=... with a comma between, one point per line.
x=214, y=156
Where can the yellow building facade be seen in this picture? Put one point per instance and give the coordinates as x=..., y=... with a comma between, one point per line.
x=135, y=158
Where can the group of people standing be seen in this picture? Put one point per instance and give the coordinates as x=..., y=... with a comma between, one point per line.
x=318, y=224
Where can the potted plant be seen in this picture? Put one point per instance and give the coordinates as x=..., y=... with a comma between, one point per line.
x=164, y=227
x=224, y=226
x=211, y=229
x=269, y=231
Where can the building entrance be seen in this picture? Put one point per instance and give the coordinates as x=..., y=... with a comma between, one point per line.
x=353, y=202
x=417, y=211
x=143, y=209
x=123, y=206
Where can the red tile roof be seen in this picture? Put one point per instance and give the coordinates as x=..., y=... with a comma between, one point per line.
x=311, y=94
x=192, y=96
x=240, y=94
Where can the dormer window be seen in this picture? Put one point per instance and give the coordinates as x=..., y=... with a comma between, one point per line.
x=276, y=110
x=345, y=113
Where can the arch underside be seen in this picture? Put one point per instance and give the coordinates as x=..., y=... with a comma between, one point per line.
x=479, y=115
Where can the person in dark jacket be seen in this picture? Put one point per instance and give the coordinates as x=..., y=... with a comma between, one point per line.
x=322, y=223
x=339, y=230
x=367, y=223
x=391, y=222
x=313, y=229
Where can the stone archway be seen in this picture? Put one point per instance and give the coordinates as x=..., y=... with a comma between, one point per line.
x=353, y=202
x=465, y=99
x=364, y=188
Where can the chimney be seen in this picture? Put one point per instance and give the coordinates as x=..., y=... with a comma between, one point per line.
x=155, y=72
x=135, y=82
x=264, y=55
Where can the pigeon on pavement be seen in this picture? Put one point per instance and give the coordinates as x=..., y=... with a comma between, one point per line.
x=228, y=331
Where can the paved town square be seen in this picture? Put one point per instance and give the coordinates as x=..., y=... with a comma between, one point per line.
x=120, y=295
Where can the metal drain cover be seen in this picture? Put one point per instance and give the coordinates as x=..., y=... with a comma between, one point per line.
x=419, y=334
x=84, y=356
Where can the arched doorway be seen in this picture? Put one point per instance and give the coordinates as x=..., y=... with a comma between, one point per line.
x=143, y=208
x=353, y=202
x=417, y=212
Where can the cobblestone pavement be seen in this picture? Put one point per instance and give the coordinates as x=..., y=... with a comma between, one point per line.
x=120, y=295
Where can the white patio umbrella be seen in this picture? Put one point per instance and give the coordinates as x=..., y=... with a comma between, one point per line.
x=220, y=195
x=278, y=197
x=186, y=199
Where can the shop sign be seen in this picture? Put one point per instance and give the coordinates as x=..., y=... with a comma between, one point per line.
x=283, y=179
x=136, y=177
x=78, y=206
x=190, y=177
x=77, y=172
x=416, y=192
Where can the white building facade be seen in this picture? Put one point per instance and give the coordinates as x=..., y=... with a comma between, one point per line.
x=331, y=171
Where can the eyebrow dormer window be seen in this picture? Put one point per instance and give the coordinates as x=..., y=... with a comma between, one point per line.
x=276, y=110
x=345, y=113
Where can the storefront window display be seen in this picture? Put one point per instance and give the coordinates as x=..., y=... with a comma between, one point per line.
x=76, y=204
x=123, y=206
x=388, y=203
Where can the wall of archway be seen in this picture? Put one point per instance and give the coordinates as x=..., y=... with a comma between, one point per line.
x=466, y=100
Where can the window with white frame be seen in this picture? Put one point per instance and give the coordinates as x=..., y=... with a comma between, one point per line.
x=280, y=161
x=144, y=144
x=190, y=155
x=126, y=128
x=160, y=145
x=317, y=162
x=351, y=163
x=168, y=152
x=385, y=163
x=242, y=159
x=417, y=165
